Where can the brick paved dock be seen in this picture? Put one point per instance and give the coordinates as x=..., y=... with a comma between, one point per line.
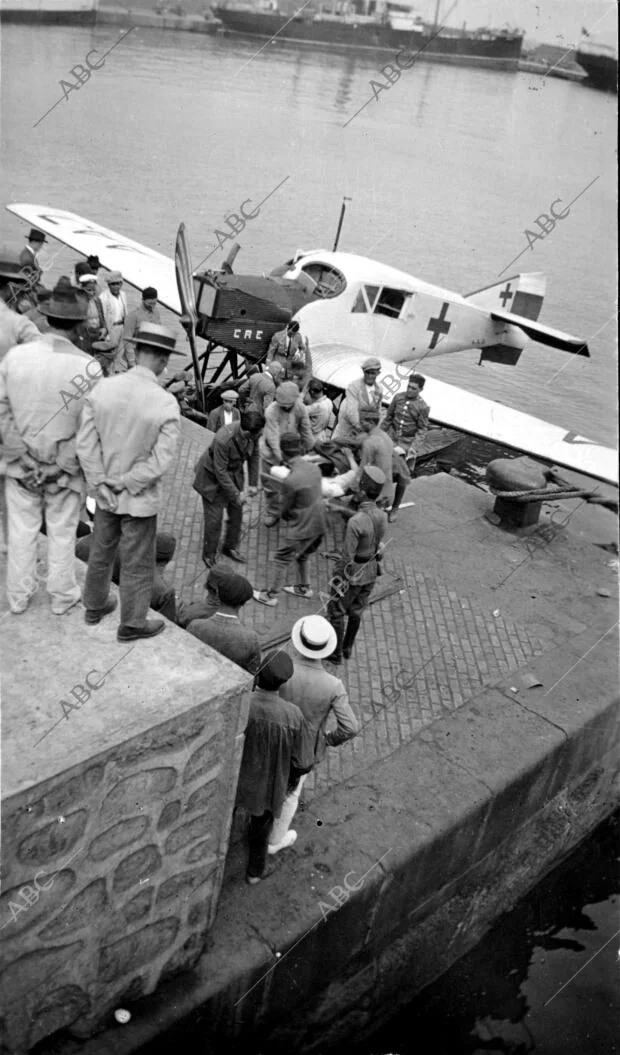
x=426, y=646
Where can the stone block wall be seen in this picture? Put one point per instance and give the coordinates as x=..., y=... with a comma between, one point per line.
x=111, y=869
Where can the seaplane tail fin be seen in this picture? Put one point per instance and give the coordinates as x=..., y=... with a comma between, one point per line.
x=544, y=334
x=520, y=295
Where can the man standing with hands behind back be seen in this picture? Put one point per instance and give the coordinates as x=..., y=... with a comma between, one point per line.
x=126, y=443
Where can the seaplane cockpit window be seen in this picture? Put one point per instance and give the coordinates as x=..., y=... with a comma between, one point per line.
x=390, y=302
x=329, y=281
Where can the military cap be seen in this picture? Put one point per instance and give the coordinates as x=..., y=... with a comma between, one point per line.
x=372, y=480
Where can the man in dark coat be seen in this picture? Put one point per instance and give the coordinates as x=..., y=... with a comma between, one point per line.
x=225, y=414
x=406, y=423
x=277, y=751
x=224, y=631
x=219, y=482
x=163, y=598
x=189, y=610
x=303, y=513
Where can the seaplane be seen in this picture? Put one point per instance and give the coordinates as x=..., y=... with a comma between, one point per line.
x=349, y=307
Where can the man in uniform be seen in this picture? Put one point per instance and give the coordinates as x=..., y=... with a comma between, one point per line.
x=114, y=303
x=42, y=388
x=126, y=443
x=406, y=423
x=289, y=348
x=360, y=395
x=287, y=413
x=302, y=511
x=147, y=311
x=219, y=482
x=357, y=569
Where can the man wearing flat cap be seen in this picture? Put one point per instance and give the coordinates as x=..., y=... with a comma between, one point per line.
x=287, y=413
x=357, y=569
x=319, y=696
x=303, y=519
x=126, y=444
x=43, y=385
x=219, y=482
x=277, y=750
x=360, y=395
x=114, y=303
x=147, y=311
x=204, y=609
x=224, y=631
x=225, y=414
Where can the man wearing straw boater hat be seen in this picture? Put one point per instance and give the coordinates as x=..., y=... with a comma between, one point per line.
x=42, y=389
x=126, y=443
x=319, y=696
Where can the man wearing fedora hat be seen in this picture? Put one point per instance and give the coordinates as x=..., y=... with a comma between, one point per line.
x=114, y=304
x=14, y=328
x=42, y=391
x=126, y=443
x=359, y=564
x=224, y=414
x=29, y=256
x=277, y=747
x=319, y=696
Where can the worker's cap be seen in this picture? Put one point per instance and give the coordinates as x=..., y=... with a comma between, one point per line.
x=66, y=302
x=156, y=336
x=165, y=546
x=287, y=394
x=217, y=574
x=371, y=364
x=86, y=278
x=114, y=276
x=235, y=591
x=276, y=668
x=290, y=444
x=11, y=268
x=230, y=395
x=149, y=293
x=274, y=368
x=36, y=236
x=314, y=637
x=252, y=421
x=372, y=480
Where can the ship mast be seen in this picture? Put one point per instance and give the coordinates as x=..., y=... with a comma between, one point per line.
x=436, y=20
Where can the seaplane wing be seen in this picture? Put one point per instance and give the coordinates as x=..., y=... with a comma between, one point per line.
x=457, y=408
x=139, y=265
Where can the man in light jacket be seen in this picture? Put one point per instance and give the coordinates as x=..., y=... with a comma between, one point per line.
x=362, y=394
x=114, y=304
x=43, y=384
x=287, y=413
x=319, y=696
x=126, y=443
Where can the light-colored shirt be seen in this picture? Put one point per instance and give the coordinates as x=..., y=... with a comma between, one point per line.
x=377, y=450
x=320, y=413
x=279, y=420
x=43, y=385
x=115, y=313
x=14, y=329
x=358, y=397
x=129, y=432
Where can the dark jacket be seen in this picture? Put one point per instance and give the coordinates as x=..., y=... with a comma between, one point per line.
x=277, y=739
x=215, y=420
x=229, y=637
x=219, y=472
x=301, y=504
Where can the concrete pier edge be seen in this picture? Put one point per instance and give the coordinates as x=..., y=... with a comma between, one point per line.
x=542, y=769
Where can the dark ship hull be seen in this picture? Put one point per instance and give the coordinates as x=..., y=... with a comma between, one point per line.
x=601, y=70
x=499, y=51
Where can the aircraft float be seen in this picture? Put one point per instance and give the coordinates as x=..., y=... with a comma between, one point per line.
x=350, y=307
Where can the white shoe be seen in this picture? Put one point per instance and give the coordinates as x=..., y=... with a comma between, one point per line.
x=62, y=609
x=288, y=840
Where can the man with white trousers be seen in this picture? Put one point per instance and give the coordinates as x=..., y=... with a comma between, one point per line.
x=318, y=695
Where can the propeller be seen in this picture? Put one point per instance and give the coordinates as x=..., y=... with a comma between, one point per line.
x=188, y=304
x=227, y=266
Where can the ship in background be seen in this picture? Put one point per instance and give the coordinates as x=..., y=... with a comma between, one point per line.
x=600, y=62
x=56, y=12
x=374, y=25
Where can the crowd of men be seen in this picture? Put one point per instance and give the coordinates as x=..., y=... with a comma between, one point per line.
x=83, y=413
